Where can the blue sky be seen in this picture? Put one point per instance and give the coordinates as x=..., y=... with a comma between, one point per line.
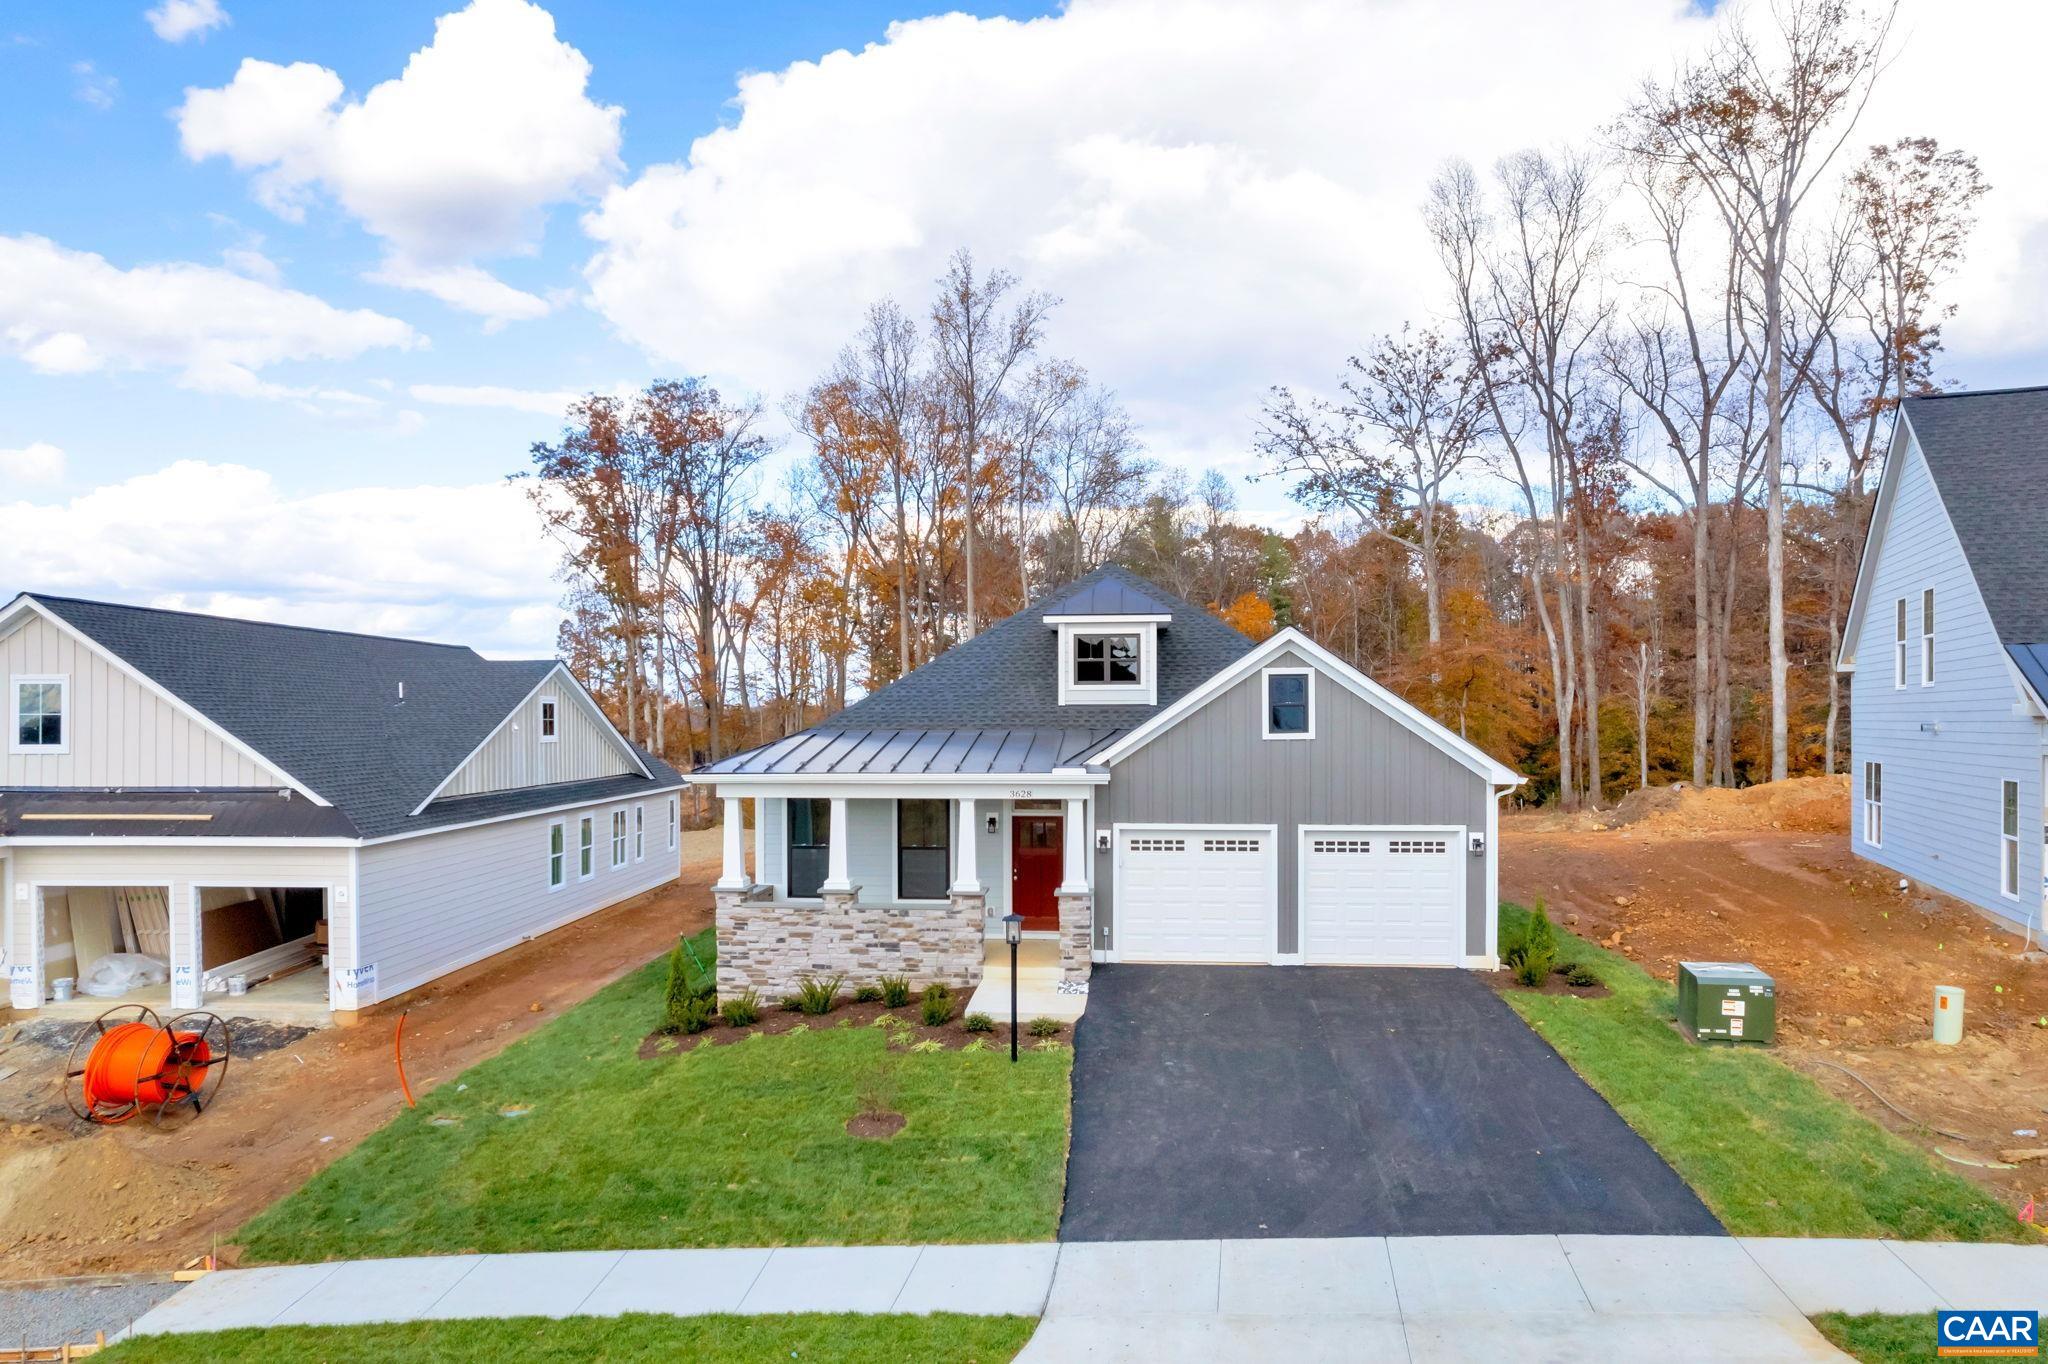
x=288, y=290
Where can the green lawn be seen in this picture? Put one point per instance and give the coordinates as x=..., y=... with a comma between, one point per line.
x=1766, y=1148
x=721, y=1146
x=1879, y=1338
x=811, y=1339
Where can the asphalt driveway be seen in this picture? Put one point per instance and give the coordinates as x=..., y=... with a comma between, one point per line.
x=1326, y=1101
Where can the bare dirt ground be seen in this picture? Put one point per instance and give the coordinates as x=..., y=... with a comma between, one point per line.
x=83, y=1200
x=1766, y=876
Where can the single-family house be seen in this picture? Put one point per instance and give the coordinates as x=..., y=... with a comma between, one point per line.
x=1947, y=646
x=1136, y=780
x=242, y=803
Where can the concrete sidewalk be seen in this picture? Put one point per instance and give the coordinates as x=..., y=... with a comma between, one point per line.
x=1420, y=1298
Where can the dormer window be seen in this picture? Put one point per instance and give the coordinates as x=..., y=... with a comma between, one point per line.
x=1106, y=659
x=40, y=704
x=548, y=720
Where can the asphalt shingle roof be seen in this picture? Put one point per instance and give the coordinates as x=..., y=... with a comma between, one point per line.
x=1987, y=450
x=324, y=705
x=1006, y=679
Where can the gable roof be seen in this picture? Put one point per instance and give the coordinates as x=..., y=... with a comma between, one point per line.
x=1291, y=640
x=992, y=702
x=323, y=705
x=1984, y=450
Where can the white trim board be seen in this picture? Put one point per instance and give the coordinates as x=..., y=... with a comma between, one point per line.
x=156, y=689
x=1467, y=754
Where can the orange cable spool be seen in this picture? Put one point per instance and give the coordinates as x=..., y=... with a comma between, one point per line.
x=143, y=1063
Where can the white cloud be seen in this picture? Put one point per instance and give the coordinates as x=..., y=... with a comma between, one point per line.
x=457, y=158
x=40, y=462
x=467, y=287
x=177, y=20
x=74, y=312
x=94, y=87
x=492, y=395
x=466, y=564
x=1226, y=196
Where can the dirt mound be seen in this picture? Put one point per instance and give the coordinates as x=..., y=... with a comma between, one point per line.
x=1818, y=805
x=70, y=1194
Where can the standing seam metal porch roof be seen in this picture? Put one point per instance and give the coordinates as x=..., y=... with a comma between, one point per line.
x=917, y=752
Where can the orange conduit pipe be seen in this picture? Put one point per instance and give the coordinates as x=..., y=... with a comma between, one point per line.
x=398, y=1055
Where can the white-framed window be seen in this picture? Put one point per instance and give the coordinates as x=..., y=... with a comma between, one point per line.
x=2009, y=839
x=40, y=709
x=1108, y=660
x=1927, y=638
x=639, y=833
x=1873, y=804
x=618, y=838
x=1899, y=645
x=586, y=833
x=1290, y=703
x=558, y=854
x=550, y=719
x=674, y=824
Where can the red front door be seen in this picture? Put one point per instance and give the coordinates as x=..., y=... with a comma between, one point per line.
x=1035, y=856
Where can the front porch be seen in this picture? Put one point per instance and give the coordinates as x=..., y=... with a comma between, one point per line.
x=915, y=880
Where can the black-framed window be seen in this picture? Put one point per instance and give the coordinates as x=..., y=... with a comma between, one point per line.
x=1287, y=703
x=922, y=848
x=1105, y=659
x=810, y=844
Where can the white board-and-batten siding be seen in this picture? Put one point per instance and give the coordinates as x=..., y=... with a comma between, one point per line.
x=1946, y=748
x=516, y=756
x=439, y=902
x=118, y=732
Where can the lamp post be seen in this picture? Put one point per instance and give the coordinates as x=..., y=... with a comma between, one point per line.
x=1013, y=933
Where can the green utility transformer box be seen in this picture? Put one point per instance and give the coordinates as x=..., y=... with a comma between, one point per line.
x=1726, y=1001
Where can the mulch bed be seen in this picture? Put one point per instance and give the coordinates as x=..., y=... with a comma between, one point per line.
x=1554, y=984
x=875, y=1126
x=953, y=1035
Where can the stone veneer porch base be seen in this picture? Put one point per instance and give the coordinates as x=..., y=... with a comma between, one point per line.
x=770, y=946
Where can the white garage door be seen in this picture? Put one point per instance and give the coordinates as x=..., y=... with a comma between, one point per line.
x=1196, y=894
x=1382, y=897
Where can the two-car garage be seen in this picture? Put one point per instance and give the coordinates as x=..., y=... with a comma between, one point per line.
x=1368, y=895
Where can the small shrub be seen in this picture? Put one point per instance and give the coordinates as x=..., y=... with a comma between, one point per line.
x=979, y=1023
x=1581, y=977
x=926, y=1047
x=696, y=1013
x=792, y=1003
x=742, y=1010
x=895, y=991
x=683, y=988
x=1043, y=1027
x=878, y=1095
x=867, y=994
x=976, y=1044
x=1564, y=968
x=816, y=997
x=936, y=1006
x=1532, y=950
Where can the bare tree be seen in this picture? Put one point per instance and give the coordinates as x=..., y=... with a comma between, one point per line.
x=978, y=346
x=880, y=369
x=1094, y=481
x=1758, y=129
x=1413, y=414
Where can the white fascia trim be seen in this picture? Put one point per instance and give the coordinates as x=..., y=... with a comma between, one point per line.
x=982, y=785
x=603, y=803
x=117, y=841
x=558, y=671
x=1364, y=687
x=163, y=693
x=1880, y=517
x=1108, y=622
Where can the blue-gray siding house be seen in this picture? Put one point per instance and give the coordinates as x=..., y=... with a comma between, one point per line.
x=1946, y=642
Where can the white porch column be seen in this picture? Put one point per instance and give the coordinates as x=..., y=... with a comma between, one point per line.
x=1075, y=841
x=760, y=838
x=966, y=876
x=836, y=877
x=734, y=876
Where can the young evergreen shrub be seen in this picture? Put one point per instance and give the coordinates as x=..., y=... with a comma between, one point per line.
x=978, y=1023
x=743, y=1010
x=816, y=997
x=895, y=991
x=937, y=1005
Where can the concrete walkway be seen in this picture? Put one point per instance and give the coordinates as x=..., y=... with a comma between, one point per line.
x=1418, y=1298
